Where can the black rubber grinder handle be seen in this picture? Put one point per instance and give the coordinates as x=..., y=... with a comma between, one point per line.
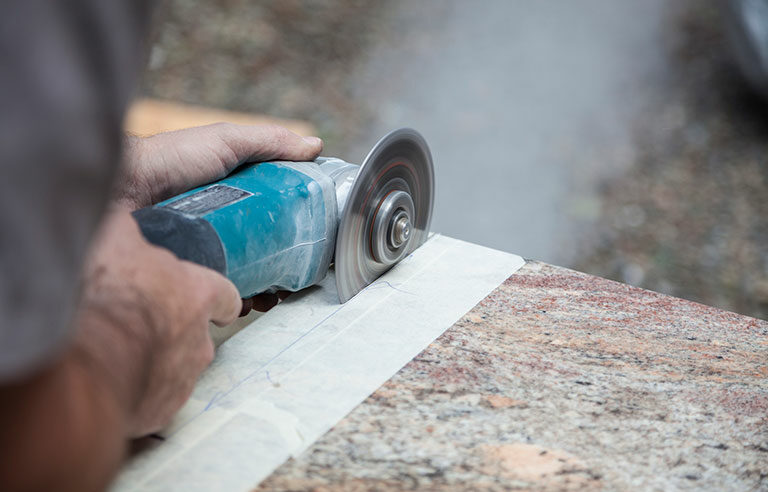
x=189, y=238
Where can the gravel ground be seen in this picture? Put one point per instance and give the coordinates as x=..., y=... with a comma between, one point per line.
x=690, y=218
x=688, y=215
x=288, y=59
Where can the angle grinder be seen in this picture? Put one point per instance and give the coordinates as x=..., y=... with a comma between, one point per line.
x=280, y=225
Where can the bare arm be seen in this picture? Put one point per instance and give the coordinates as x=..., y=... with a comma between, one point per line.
x=66, y=418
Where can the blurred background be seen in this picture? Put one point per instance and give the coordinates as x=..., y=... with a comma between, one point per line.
x=616, y=138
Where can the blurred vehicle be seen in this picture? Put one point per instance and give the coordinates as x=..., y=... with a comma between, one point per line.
x=748, y=35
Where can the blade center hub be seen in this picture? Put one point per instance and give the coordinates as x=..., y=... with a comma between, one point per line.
x=401, y=229
x=392, y=229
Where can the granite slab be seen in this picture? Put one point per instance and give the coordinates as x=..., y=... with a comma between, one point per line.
x=561, y=380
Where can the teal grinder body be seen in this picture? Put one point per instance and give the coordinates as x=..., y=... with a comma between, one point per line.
x=268, y=226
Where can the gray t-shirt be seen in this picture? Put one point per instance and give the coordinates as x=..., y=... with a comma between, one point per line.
x=67, y=71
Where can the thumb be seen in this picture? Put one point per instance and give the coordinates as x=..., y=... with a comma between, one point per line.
x=220, y=296
x=269, y=142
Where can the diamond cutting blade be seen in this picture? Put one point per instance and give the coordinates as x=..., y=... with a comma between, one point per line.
x=387, y=213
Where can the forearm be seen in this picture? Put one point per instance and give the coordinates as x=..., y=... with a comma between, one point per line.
x=130, y=185
x=66, y=428
x=62, y=429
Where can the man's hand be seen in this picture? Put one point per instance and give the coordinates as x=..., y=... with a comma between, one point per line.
x=166, y=164
x=143, y=322
x=141, y=342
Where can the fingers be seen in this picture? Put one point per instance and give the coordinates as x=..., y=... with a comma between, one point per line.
x=261, y=302
x=169, y=163
x=263, y=143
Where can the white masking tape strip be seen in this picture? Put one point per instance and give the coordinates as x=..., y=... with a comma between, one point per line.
x=284, y=380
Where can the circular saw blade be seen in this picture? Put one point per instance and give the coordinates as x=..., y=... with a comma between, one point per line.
x=399, y=161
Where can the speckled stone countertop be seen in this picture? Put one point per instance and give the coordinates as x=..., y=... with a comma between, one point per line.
x=561, y=380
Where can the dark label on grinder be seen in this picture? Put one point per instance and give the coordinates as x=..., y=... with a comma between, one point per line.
x=208, y=200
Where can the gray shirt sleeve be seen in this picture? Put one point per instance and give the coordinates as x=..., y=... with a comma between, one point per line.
x=67, y=72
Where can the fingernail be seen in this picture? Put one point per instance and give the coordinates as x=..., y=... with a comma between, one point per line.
x=313, y=140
